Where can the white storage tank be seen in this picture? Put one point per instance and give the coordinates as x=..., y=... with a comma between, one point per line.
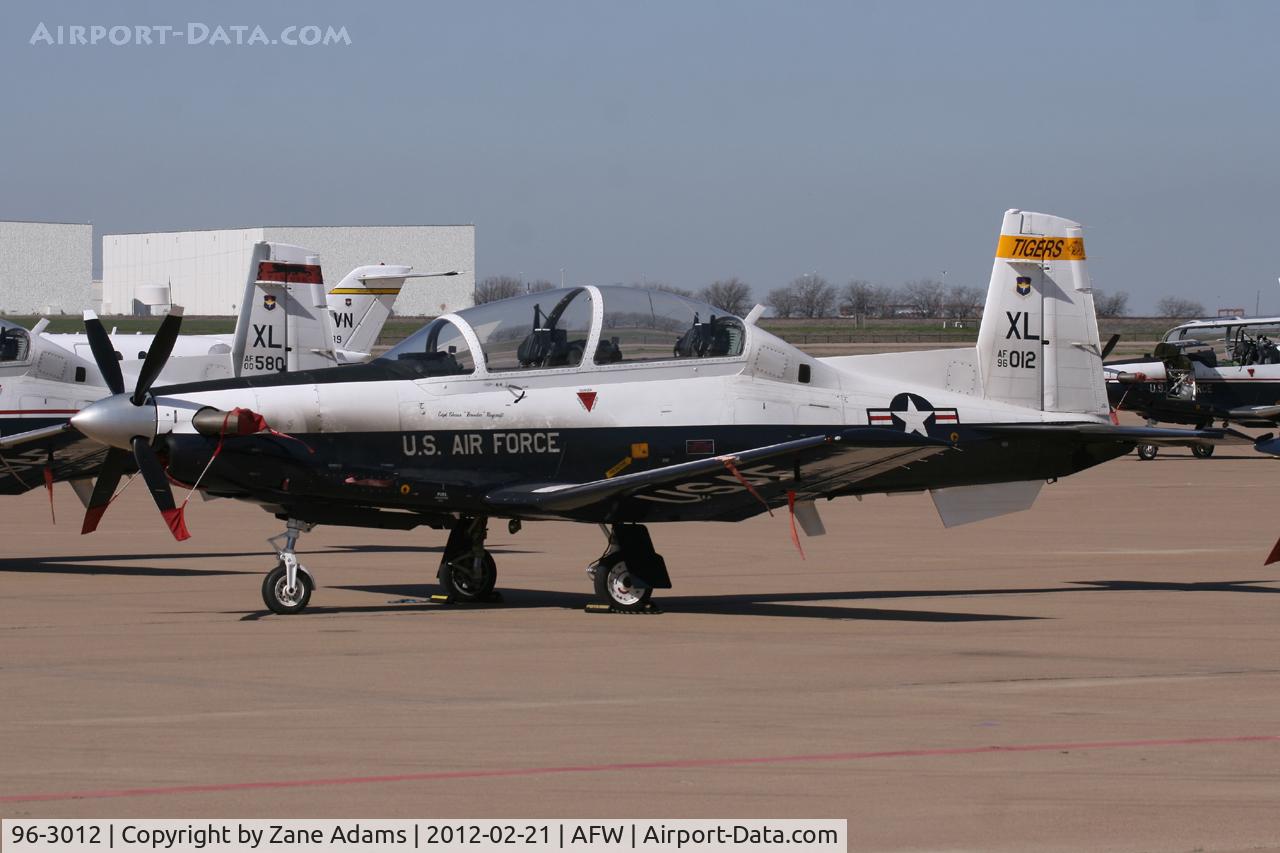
x=152, y=299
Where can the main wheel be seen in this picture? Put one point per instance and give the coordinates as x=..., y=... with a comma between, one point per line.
x=1147, y=451
x=466, y=579
x=616, y=586
x=277, y=596
x=1202, y=451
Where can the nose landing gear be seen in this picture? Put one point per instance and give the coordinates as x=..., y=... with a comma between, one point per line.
x=287, y=588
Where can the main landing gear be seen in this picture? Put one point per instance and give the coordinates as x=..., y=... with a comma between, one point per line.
x=468, y=572
x=287, y=588
x=626, y=576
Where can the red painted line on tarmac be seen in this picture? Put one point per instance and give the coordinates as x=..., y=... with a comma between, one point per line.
x=637, y=765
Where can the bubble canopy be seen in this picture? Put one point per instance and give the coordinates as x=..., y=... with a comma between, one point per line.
x=553, y=329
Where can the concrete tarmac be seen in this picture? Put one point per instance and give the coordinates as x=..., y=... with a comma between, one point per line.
x=1099, y=673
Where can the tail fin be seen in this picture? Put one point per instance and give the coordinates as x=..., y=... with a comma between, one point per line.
x=361, y=304
x=284, y=322
x=1038, y=344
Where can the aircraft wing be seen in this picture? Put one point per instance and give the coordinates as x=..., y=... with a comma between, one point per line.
x=1095, y=432
x=822, y=463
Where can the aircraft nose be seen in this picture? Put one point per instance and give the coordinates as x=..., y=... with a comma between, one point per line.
x=115, y=421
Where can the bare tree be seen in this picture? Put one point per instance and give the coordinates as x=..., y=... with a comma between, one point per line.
x=963, y=301
x=857, y=298
x=664, y=287
x=883, y=298
x=541, y=285
x=1110, y=304
x=729, y=295
x=1173, y=306
x=782, y=301
x=498, y=287
x=815, y=297
x=926, y=297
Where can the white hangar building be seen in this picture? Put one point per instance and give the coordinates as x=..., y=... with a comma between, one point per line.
x=45, y=267
x=205, y=271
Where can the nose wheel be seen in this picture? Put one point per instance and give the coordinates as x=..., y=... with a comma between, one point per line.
x=280, y=597
x=287, y=588
x=1147, y=452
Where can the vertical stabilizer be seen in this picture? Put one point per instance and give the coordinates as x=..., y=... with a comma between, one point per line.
x=361, y=304
x=1038, y=345
x=284, y=321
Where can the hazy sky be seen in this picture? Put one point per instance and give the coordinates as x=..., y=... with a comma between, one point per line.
x=680, y=141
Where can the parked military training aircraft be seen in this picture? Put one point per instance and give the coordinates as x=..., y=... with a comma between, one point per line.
x=621, y=407
x=1223, y=369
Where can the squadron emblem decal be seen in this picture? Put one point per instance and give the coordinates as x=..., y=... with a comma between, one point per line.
x=1023, y=285
x=269, y=302
x=914, y=413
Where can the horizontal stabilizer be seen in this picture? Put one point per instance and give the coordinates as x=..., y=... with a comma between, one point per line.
x=1098, y=433
x=1254, y=413
x=966, y=504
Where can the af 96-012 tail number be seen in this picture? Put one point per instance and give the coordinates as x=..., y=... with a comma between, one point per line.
x=1025, y=359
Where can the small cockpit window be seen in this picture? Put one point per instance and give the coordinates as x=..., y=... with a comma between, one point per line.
x=437, y=349
x=653, y=325
x=15, y=345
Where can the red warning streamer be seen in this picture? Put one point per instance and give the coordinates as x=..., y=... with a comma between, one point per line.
x=48, y=484
x=791, y=509
x=729, y=463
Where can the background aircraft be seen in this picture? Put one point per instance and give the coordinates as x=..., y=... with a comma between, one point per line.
x=620, y=407
x=1224, y=369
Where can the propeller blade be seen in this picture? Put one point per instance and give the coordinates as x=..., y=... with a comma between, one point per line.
x=104, y=355
x=103, y=490
x=1111, y=344
x=158, y=485
x=161, y=347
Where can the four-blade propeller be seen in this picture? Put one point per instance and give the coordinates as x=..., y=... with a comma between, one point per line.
x=127, y=424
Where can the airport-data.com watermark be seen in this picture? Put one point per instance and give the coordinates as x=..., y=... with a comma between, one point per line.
x=191, y=34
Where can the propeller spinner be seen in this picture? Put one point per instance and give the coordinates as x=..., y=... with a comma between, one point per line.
x=127, y=424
